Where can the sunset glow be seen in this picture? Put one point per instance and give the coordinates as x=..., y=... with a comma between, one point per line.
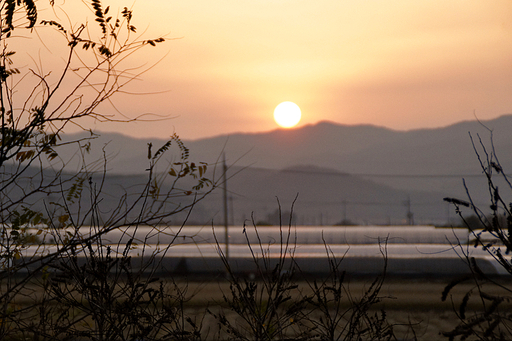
x=398, y=64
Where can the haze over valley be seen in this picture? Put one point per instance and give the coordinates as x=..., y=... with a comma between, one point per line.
x=339, y=173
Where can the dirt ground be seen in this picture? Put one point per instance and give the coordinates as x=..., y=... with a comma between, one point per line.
x=413, y=305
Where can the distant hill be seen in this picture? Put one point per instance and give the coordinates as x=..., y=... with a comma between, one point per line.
x=340, y=164
x=359, y=149
x=321, y=197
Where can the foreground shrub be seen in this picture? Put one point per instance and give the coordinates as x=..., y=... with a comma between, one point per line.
x=270, y=305
x=492, y=319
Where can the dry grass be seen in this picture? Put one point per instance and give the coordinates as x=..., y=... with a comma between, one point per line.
x=413, y=305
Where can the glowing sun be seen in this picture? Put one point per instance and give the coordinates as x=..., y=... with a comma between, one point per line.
x=287, y=114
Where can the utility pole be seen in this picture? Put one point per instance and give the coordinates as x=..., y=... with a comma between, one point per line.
x=226, y=234
x=231, y=211
x=344, y=203
x=410, y=215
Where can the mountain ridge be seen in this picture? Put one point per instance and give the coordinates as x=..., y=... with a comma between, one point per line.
x=366, y=150
x=342, y=147
x=364, y=173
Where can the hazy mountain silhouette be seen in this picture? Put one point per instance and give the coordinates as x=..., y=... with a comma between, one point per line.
x=359, y=149
x=361, y=164
x=321, y=196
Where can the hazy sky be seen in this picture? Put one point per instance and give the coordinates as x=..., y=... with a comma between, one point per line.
x=399, y=64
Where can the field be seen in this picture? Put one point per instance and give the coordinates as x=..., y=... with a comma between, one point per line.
x=412, y=305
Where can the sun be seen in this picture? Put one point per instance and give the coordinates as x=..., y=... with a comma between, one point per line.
x=287, y=114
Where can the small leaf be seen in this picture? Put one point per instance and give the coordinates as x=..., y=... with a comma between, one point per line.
x=63, y=218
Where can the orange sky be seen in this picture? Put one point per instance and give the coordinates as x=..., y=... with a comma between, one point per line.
x=399, y=64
